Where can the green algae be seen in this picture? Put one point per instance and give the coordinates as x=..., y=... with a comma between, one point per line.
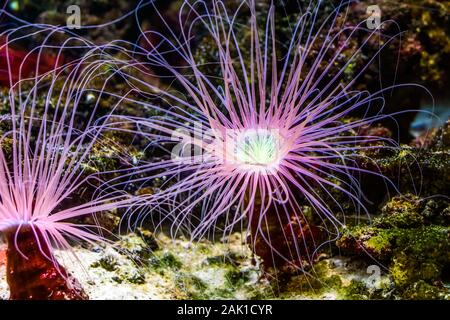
x=191, y=286
x=414, y=249
x=165, y=260
x=421, y=290
x=107, y=262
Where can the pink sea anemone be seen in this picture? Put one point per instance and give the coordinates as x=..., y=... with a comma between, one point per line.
x=271, y=137
x=44, y=151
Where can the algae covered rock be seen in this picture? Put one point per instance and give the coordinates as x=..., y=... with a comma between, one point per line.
x=409, y=242
x=421, y=168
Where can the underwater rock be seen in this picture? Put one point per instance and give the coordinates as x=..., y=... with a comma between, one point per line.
x=139, y=246
x=3, y=250
x=401, y=212
x=176, y=270
x=421, y=290
x=435, y=139
x=338, y=277
x=407, y=239
x=17, y=64
x=32, y=276
x=225, y=270
x=421, y=55
x=92, y=13
x=422, y=168
x=108, y=261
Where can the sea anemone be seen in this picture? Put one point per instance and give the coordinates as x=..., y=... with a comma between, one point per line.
x=270, y=138
x=273, y=137
x=44, y=153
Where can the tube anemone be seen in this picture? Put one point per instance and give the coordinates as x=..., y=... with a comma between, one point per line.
x=43, y=156
x=270, y=137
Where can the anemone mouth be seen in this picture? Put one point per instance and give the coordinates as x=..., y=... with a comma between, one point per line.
x=256, y=149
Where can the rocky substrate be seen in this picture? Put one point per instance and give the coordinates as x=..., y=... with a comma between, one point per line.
x=178, y=269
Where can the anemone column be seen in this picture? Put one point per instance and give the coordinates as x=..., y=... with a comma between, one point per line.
x=283, y=239
x=31, y=275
